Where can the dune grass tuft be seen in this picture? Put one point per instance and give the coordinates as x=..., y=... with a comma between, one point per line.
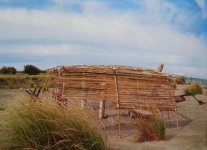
x=180, y=80
x=193, y=89
x=150, y=130
x=47, y=125
x=1, y=107
x=206, y=134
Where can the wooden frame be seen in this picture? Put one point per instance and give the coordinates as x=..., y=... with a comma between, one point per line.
x=126, y=87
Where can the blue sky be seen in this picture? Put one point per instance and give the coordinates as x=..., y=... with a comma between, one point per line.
x=142, y=33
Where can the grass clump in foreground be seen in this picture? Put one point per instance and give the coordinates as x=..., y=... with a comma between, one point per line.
x=193, y=89
x=150, y=130
x=47, y=125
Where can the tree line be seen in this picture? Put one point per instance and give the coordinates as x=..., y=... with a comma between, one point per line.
x=28, y=69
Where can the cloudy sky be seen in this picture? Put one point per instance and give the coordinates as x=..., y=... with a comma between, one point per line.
x=140, y=33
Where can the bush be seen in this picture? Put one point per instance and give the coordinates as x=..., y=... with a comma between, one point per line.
x=206, y=134
x=47, y=125
x=8, y=70
x=180, y=80
x=1, y=107
x=150, y=130
x=193, y=89
x=31, y=70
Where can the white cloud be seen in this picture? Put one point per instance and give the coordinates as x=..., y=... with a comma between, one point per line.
x=203, y=6
x=39, y=50
x=129, y=38
x=200, y=3
x=5, y=0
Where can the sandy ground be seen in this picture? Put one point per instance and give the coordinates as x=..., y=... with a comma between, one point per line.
x=190, y=135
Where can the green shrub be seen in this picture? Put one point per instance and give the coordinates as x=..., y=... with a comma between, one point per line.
x=47, y=125
x=31, y=70
x=150, y=130
x=180, y=80
x=1, y=107
x=206, y=134
x=8, y=70
x=193, y=89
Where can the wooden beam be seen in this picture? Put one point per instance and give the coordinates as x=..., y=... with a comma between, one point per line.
x=118, y=104
x=102, y=109
x=160, y=68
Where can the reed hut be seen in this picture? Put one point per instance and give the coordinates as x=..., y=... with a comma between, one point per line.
x=126, y=87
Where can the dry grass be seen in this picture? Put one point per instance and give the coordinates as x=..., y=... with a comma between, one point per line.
x=180, y=80
x=193, y=89
x=206, y=134
x=150, y=130
x=18, y=80
x=1, y=107
x=47, y=125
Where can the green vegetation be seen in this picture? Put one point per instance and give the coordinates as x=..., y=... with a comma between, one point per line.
x=19, y=80
x=180, y=80
x=47, y=125
x=1, y=107
x=31, y=70
x=8, y=70
x=150, y=130
x=193, y=89
x=206, y=133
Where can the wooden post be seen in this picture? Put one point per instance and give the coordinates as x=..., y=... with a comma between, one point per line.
x=83, y=86
x=58, y=72
x=63, y=91
x=118, y=102
x=160, y=68
x=168, y=117
x=102, y=109
x=137, y=91
x=176, y=117
x=83, y=102
x=117, y=92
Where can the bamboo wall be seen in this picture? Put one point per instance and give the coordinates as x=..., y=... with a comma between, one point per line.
x=125, y=86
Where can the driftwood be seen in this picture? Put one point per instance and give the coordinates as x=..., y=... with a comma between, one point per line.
x=160, y=68
x=199, y=101
x=33, y=93
x=134, y=113
x=181, y=98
